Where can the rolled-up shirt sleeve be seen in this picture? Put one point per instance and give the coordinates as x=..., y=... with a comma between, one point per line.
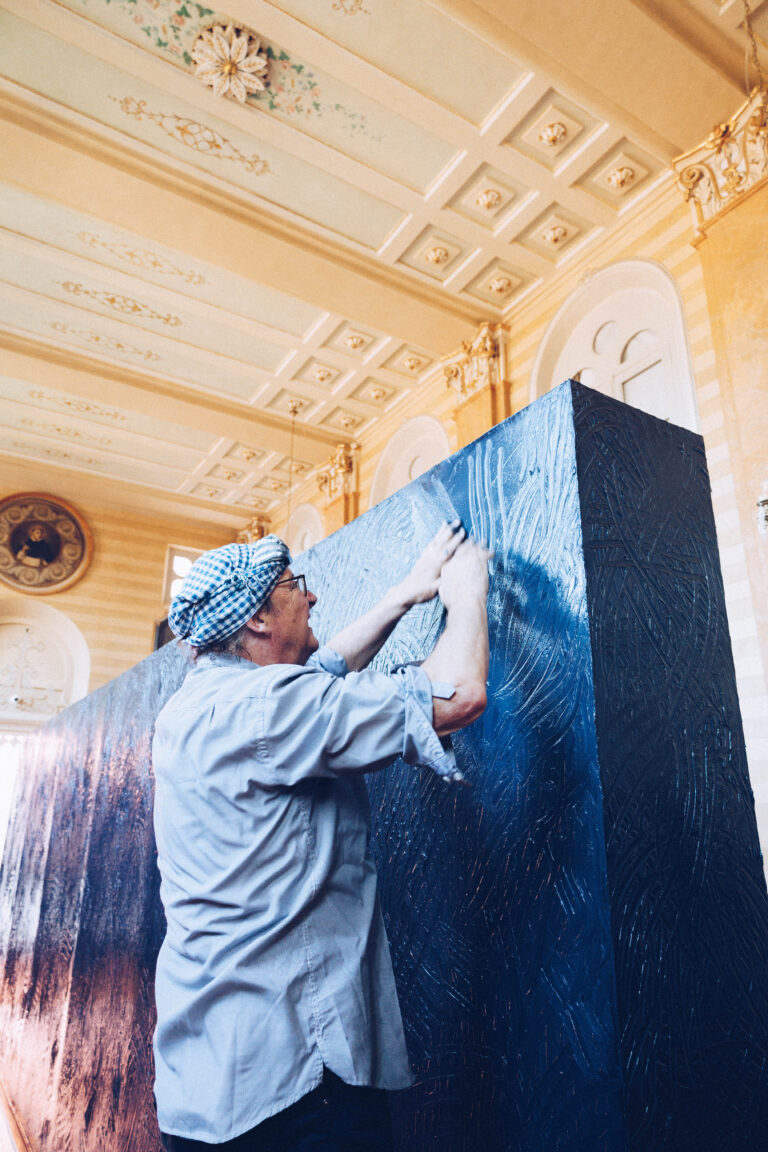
x=326, y=721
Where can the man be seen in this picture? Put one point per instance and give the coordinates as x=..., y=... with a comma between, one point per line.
x=278, y=1023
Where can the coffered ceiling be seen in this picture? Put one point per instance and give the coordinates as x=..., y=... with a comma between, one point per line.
x=180, y=270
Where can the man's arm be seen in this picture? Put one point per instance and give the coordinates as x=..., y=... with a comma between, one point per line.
x=461, y=654
x=359, y=642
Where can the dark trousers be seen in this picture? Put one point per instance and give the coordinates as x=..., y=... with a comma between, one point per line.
x=334, y=1117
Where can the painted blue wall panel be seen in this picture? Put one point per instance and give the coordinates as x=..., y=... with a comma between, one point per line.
x=580, y=939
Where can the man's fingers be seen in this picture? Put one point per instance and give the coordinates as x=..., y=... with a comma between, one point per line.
x=455, y=541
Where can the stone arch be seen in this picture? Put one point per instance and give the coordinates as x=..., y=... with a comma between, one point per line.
x=622, y=331
x=417, y=446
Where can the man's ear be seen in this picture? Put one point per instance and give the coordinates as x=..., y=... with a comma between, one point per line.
x=258, y=623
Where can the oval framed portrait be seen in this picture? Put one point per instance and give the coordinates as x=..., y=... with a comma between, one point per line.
x=45, y=544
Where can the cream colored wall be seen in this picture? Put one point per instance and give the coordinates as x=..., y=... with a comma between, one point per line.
x=117, y=602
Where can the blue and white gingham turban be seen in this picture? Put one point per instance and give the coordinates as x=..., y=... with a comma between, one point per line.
x=224, y=587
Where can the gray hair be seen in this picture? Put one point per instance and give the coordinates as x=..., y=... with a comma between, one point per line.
x=232, y=644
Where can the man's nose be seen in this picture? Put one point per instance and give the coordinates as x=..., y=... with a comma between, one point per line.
x=311, y=597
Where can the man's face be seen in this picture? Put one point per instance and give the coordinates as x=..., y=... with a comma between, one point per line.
x=289, y=621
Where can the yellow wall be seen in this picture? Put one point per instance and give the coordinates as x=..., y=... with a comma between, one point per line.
x=734, y=256
x=117, y=602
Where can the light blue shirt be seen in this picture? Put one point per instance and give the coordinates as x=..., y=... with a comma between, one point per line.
x=276, y=961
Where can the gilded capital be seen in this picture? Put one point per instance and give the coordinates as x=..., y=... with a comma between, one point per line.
x=337, y=474
x=478, y=363
x=255, y=529
x=731, y=161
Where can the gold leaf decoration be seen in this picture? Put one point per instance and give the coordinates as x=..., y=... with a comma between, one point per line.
x=76, y=405
x=103, y=343
x=141, y=258
x=119, y=303
x=199, y=137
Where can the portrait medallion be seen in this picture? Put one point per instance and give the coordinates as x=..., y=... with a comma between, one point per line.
x=45, y=545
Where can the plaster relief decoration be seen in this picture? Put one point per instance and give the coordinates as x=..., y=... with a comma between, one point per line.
x=488, y=199
x=497, y=283
x=350, y=7
x=193, y=135
x=337, y=474
x=478, y=363
x=619, y=178
x=77, y=405
x=552, y=134
x=733, y=159
x=500, y=285
x=104, y=343
x=57, y=454
x=45, y=544
x=227, y=59
x=554, y=235
x=119, y=303
x=46, y=429
x=141, y=258
x=238, y=63
x=33, y=672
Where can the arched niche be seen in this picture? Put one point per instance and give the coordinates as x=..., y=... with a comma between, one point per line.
x=623, y=333
x=304, y=528
x=45, y=664
x=417, y=446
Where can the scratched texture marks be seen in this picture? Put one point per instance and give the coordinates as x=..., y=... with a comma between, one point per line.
x=688, y=898
x=495, y=897
x=82, y=921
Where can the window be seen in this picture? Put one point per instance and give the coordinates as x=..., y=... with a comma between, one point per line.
x=623, y=333
x=178, y=562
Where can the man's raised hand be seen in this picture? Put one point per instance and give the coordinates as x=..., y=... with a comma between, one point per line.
x=423, y=581
x=465, y=575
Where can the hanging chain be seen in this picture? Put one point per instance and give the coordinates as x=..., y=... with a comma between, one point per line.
x=753, y=52
x=294, y=408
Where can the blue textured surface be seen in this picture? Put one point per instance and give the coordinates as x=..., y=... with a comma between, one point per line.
x=687, y=887
x=580, y=946
x=495, y=898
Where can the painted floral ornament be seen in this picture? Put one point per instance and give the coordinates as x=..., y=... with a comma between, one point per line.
x=227, y=59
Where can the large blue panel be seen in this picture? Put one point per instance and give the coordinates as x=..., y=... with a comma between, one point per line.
x=495, y=898
x=579, y=941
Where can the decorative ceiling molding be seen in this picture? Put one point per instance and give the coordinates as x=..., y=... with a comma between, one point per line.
x=199, y=137
x=119, y=303
x=227, y=59
x=142, y=258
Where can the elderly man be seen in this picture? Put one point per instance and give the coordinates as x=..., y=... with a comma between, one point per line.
x=278, y=1022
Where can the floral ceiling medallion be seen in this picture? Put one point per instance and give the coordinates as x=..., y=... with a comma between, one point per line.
x=228, y=60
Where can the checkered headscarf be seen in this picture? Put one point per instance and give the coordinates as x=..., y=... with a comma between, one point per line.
x=224, y=587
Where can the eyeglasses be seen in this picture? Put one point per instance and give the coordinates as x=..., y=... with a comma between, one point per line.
x=299, y=582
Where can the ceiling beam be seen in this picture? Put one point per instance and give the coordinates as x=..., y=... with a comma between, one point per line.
x=48, y=366
x=53, y=157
